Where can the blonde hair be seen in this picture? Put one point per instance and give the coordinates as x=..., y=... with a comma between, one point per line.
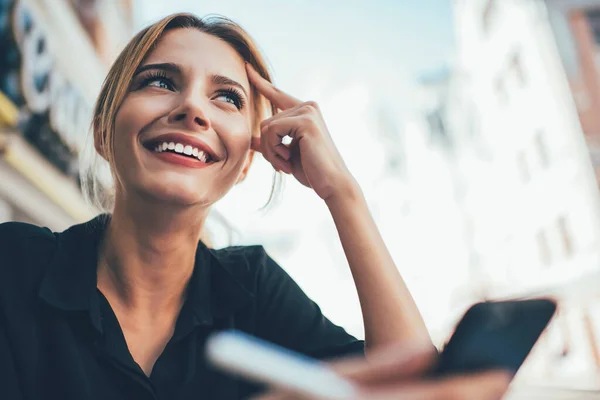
x=97, y=174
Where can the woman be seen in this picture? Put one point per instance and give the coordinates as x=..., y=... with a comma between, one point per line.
x=119, y=307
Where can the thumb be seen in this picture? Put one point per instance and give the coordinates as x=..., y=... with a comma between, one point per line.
x=255, y=143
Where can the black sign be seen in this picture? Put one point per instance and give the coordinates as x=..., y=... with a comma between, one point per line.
x=54, y=116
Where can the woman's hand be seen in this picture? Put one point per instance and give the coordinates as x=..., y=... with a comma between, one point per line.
x=398, y=373
x=312, y=156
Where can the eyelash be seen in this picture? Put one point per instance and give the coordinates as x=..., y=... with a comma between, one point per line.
x=233, y=94
x=157, y=76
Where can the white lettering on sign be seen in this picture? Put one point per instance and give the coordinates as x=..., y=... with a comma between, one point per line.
x=45, y=88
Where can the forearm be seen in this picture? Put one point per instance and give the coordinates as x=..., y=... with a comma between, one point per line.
x=389, y=311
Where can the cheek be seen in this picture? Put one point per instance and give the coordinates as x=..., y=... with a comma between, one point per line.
x=236, y=136
x=127, y=123
x=138, y=112
x=130, y=120
x=129, y=117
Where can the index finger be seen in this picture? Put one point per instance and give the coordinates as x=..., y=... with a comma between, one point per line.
x=280, y=99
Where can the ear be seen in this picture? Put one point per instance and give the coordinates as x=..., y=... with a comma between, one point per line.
x=246, y=168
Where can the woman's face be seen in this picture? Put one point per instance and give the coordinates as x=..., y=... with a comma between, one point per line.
x=183, y=132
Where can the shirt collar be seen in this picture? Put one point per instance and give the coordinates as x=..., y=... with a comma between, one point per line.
x=70, y=280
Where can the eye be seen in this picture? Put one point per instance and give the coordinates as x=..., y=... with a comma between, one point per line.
x=231, y=96
x=159, y=83
x=157, y=79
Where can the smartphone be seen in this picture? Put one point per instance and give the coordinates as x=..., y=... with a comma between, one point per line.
x=491, y=335
x=495, y=335
x=264, y=362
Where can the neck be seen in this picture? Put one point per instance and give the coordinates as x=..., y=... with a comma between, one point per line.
x=147, y=257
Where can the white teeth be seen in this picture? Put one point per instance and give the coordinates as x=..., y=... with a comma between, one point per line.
x=182, y=149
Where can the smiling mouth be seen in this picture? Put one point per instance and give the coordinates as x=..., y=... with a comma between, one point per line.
x=180, y=149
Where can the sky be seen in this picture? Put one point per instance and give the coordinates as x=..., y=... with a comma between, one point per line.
x=356, y=61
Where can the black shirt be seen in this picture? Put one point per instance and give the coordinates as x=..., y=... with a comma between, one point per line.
x=59, y=338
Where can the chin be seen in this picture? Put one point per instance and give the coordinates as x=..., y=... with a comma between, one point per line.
x=177, y=195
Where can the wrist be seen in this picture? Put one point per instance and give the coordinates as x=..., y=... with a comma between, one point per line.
x=347, y=193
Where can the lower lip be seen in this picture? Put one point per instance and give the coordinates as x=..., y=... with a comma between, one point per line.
x=175, y=158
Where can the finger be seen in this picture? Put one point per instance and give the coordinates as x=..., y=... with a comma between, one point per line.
x=271, y=146
x=395, y=363
x=281, y=165
x=268, y=141
x=293, y=126
x=279, y=98
x=265, y=149
x=296, y=111
x=283, y=151
x=486, y=386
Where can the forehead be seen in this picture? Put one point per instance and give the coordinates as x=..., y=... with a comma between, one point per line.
x=199, y=53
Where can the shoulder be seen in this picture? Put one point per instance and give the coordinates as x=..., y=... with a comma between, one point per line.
x=245, y=257
x=251, y=265
x=23, y=247
x=15, y=236
x=242, y=260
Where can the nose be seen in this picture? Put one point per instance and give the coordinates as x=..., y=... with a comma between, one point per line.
x=190, y=112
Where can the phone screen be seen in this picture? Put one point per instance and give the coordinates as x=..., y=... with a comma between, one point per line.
x=495, y=335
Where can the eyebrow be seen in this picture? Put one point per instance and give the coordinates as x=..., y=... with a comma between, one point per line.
x=223, y=80
x=174, y=68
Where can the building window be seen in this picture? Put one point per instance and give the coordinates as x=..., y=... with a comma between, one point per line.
x=565, y=333
x=523, y=167
x=489, y=12
x=437, y=127
x=542, y=150
x=565, y=236
x=516, y=67
x=543, y=248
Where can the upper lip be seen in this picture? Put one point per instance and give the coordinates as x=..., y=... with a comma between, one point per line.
x=184, y=139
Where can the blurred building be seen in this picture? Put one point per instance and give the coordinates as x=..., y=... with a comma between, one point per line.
x=576, y=25
x=53, y=58
x=515, y=127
